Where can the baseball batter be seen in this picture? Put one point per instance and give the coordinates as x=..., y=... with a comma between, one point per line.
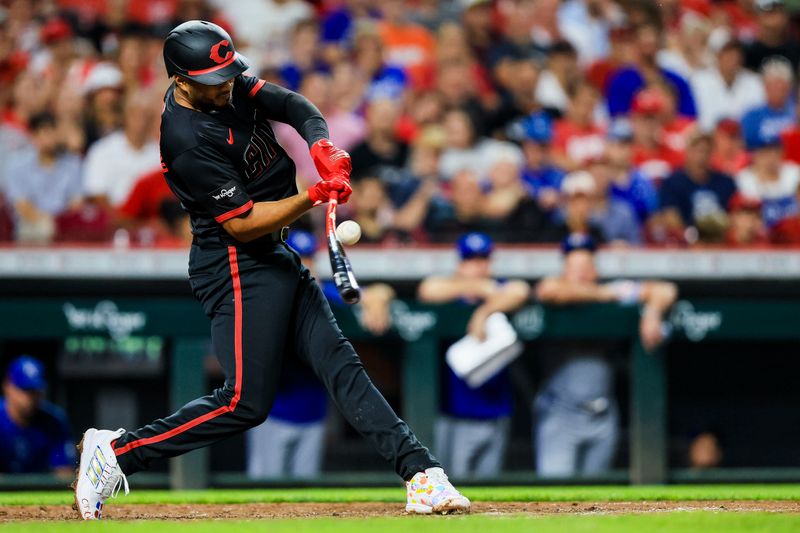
x=221, y=159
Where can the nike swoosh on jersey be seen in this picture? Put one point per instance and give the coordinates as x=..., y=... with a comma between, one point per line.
x=230, y=136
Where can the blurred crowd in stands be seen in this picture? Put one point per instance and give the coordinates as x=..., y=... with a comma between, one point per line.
x=672, y=123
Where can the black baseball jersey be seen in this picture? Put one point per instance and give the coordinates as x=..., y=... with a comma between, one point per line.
x=219, y=162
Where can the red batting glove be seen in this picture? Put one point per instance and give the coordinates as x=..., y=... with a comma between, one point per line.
x=331, y=162
x=321, y=191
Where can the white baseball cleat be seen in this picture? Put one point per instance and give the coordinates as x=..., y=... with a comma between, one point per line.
x=431, y=492
x=98, y=476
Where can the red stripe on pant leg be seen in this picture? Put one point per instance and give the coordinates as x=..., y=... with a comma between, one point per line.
x=237, y=391
x=237, y=319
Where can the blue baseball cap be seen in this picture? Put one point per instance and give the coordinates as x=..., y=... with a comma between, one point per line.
x=475, y=244
x=303, y=242
x=537, y=127
x=578, y=241
x=27, y=373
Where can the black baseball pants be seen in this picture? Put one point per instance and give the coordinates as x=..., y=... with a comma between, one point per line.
x=263, y=303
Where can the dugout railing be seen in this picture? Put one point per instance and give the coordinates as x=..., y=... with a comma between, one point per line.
x=421, y=329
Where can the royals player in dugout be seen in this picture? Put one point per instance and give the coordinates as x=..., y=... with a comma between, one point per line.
x=221, y=159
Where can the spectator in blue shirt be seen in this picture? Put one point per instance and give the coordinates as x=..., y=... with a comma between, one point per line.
x=696, y=191
x=630, y=80
x=42, y=182
x=34, y=434
x=778, y=114
x=627, y=184
x=304, y=55
x=542, y=179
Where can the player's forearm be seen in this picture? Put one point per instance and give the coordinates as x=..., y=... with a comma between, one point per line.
x=658, y=296
x=510, y=297
x=266, y=217
x=442, y=290
x=556, y=291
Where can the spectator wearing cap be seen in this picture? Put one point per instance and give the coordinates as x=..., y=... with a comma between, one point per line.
x=43, y=182
x=695, y=191
x=628, y=81
x=34, y=434
x=745, y=225
x=471, y=434
x=774, y=35
x=727, y=89
x=576, y=425
x=114, y=163
x=578, y=137
x=541, y=177
x=652, y=155
x=558, y=78
x=769, y=178
x=103, y=91
x=778, y=113
x=588, y=208
x=729, y=155
x=514, y=216
x=578, y=190
x=628, y=184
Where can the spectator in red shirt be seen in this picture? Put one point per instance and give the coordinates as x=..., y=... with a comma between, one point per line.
x=578, y=138
x=790, y=138
x=745, y=225
x=651, y=155
x=729, y=155
x=144, y=201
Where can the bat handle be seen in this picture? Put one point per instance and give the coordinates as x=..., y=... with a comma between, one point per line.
x=333, y=197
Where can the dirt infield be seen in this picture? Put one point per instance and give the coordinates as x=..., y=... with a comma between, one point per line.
x=256, y=511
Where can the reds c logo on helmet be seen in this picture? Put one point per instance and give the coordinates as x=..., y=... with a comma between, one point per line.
x=202, y=51
x=215, y=57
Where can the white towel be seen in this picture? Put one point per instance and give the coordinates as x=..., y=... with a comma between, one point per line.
x=476, y=362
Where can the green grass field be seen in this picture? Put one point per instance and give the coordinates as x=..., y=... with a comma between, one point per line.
x=395, y=494
x=663, y=521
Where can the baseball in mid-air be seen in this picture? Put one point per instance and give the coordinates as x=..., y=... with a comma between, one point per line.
x=349, y=232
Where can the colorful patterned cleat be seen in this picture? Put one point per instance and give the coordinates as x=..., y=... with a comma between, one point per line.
x=98, y=477
x=431, y=492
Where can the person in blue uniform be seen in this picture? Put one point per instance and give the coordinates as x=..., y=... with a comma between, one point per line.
x=34, y=434
x=471, y=434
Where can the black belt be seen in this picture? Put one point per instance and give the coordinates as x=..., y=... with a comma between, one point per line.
x=276, y=236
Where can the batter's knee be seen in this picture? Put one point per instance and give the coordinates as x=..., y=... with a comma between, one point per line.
x=253, y=411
